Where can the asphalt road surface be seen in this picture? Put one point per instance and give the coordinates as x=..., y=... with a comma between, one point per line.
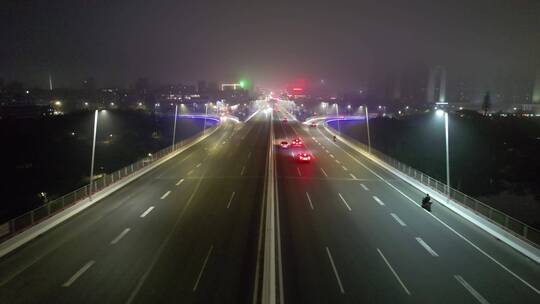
x=190, y=232
x=351, y=232
x=186, y=232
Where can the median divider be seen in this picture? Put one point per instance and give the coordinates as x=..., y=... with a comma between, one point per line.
x=516, y=234
x=269, y=290
x=28, y=226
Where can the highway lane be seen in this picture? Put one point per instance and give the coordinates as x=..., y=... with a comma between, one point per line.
x=356, y=238
x=481, y=245
x=177, y=232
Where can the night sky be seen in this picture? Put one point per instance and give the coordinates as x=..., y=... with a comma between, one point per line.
x=269, y=42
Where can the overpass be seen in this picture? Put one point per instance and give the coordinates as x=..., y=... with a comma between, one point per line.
x=231, y=218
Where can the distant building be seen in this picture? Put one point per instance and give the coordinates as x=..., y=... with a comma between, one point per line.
x=213, y=87
x=201, y=87
x=436, y=88
x=536, y=88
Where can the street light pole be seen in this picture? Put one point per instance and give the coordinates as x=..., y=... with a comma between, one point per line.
x=367, y=126
x=337, y=114
x=93, y=155
x=174, y=130
x=447, y=155
x=205, y=116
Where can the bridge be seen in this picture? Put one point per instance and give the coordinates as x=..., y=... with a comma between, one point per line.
x=230, y=217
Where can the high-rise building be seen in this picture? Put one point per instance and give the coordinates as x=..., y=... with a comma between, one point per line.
x=201, y=87
x=436, y=92
x=536, y=89
x=431, y=86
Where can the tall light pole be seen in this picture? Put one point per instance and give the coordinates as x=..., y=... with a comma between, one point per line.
x=367, y=127
x=439, y=113
x=174, y=130
x=205, y=116
x=93, y=155
x=337, y=114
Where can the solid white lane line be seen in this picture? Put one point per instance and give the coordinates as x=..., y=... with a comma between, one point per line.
x=335, y=270
x=470, y=289
x=352, y=176
x=394, y=272
x=165, y=195
x=402, y=223
x=147, y=211
x=331, y=155
x=243, y=169
x=78, y=274
x=378, y=200
x=364, y=187
x=440, y=221
x=198, y=165
x=180, y=181
x=202, y=269
x=344, y=168
x=344, y=201
x=298, y=170
x=426, y=246
x=120, y=236
x=324, y=172
x=230, y=200
x=309, y=200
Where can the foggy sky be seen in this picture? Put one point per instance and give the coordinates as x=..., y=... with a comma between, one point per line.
x=270, y=42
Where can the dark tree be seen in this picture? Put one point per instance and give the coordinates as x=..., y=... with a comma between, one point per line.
x=486, y=104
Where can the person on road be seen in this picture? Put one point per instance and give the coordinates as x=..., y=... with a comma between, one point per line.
x=334, y=138
x=426, y=202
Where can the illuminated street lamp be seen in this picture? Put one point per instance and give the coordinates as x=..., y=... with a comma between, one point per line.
x=93, y=154
x=367, y=127
x=445, y=114
x=174, y=128
x=205, y=116
x=337, y=114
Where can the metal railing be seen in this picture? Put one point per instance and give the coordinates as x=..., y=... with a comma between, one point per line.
x=30, y=218
x=507, y=222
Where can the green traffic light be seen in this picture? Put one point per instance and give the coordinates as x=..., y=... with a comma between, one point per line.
x=242, y=83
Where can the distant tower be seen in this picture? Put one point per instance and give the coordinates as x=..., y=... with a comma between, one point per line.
x=436, y=93
x=50, y=83
x=431, y=85
x=442, y=87
x=536, y=89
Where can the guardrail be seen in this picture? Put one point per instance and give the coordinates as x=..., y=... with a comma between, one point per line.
x=35, y=216
x=507, y=222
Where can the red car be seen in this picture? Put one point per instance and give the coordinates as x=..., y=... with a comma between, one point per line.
x=297, y=142
x=303, y=157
